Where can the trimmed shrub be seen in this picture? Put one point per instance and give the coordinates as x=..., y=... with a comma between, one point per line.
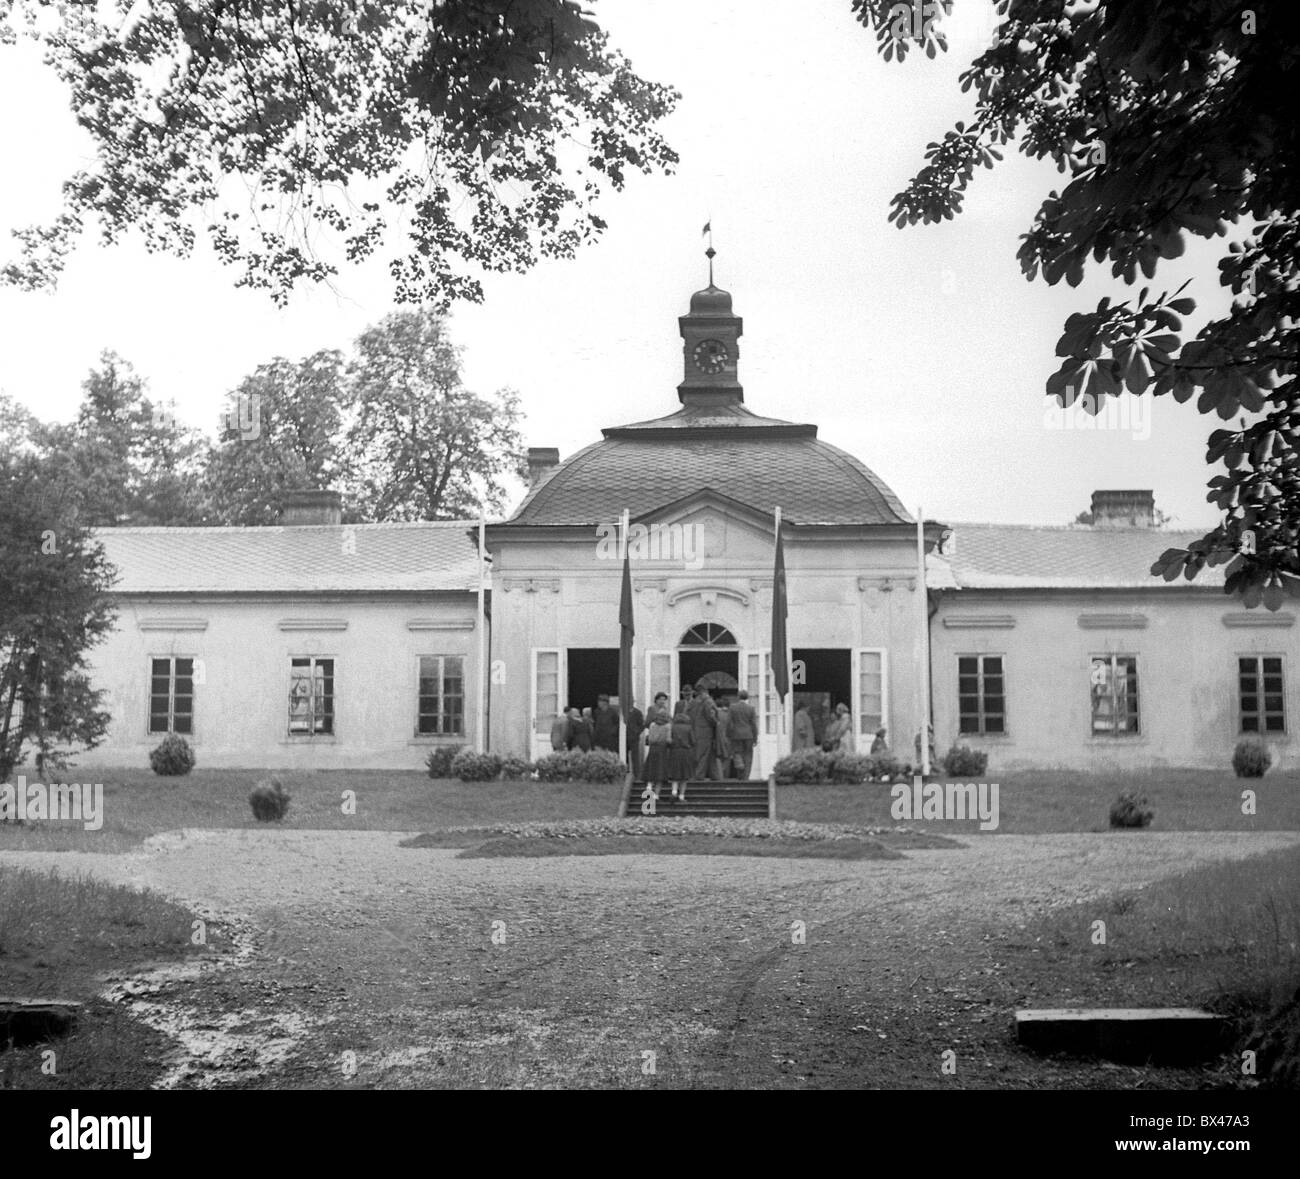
x=269, y=800
x=851, y=768
x=1251, y=758
x=807, y=765
x=172, y=757
x=961, y=761
x=600, y=765
x=1131, y=810
x=885, y=768
x=440, y=759
x=514, y=769
x=470, y=766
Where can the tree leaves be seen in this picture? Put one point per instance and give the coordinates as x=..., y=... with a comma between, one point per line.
x=321, y=109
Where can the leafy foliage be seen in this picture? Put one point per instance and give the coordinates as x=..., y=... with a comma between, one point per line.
x=485, y=129
x=425, y=447
x=1131, y=810
x=1251, y=758
x=172, y=757
x=804, y=765
x=282, y=430
x=127, y=458
x=516, y=769
x=1169, y=118
x=471, y=766
x=269, y=800
x=961, y=761
x=439, y=760
x=54, y=579
x=596, y=765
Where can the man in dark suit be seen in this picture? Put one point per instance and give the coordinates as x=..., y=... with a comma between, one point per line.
x=604, y=725
x=704, y=722
x=635, y=724
x=742, y=728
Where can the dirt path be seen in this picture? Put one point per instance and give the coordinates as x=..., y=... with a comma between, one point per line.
x=374, y=965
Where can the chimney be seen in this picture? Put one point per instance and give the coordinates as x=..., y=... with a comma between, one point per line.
x=311, y=507
x=1123, y=509
x=540, y=460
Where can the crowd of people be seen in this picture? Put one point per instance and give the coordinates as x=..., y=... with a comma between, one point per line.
x=699, y=739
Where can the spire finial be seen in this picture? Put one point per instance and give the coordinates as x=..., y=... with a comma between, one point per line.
x=710, y=253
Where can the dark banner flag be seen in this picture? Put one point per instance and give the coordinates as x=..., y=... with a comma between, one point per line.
x=626, y=633
x=780, y=660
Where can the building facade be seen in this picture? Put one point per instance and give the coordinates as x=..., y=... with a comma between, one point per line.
x=320, y=645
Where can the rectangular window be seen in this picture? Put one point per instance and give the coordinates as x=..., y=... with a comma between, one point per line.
x=761, y=687
x=311, y=697
x=171, y=695
x=871, y=694
x=1259, y=678
x=1114, y=693
x=981, y=695
x=441, y=696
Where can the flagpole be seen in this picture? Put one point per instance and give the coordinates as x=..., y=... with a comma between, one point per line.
x=623, y=705
x=481, y=710
x=924, y=601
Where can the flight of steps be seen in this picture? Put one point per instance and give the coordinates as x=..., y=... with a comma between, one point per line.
x=728, y=799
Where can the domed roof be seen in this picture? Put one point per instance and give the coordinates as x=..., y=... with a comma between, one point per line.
x=711, y=301
x=761, y=462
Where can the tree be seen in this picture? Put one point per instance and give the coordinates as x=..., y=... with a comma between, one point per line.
x=426, y=447
x=1170, y=118
x=282, y=430
x=457, y=119
x=129, y=459
x=53, y=581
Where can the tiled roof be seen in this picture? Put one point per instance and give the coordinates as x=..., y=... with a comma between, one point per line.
x=1026, y=556
x=300, y=559
x=758, y=461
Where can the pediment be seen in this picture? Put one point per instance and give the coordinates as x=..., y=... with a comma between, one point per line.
x=702, y=529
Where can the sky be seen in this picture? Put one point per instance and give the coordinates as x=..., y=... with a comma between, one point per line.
x=922, y=351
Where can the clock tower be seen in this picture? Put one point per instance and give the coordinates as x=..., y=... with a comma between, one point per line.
x=711, y=334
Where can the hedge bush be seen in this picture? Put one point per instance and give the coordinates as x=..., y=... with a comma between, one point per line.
x=269, y=800
x=470, y=766
x=514, y=769
x=1251, y=758
x=1131, y=810
x=805, y=765
x=440, y=759
x=599, y=765
x=172, y=757
x=961, y=761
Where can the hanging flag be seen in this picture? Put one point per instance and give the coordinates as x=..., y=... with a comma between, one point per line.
x=708, y=228
x=780, y=658
x=626, y=633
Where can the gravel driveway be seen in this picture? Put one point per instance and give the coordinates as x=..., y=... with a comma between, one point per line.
x=364, y=963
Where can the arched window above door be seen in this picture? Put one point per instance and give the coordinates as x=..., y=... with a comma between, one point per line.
x=708, y=634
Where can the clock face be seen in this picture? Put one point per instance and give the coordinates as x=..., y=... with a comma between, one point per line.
x=710, y=356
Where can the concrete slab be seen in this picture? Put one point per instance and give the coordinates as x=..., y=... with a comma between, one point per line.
x=1131, y=1035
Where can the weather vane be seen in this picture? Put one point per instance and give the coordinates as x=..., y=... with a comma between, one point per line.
x=710, y=253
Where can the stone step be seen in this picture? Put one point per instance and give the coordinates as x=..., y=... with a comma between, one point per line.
x=30, y=1021
x=1131, y=1035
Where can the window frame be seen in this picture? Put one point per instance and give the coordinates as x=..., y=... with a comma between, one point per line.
x=981, y=694
x=1261, y=712
x=1112, y=658
x=442, y=658
x=150, y=695
x=333, y=713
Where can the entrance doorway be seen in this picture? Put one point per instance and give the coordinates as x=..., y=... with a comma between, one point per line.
x=592, y=671
x=827, y=675
x=708, y=651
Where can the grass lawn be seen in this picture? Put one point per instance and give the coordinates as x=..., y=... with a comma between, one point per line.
x=58, y=936
x=138, y=804
x=1037, y=803
x=1225, y=937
